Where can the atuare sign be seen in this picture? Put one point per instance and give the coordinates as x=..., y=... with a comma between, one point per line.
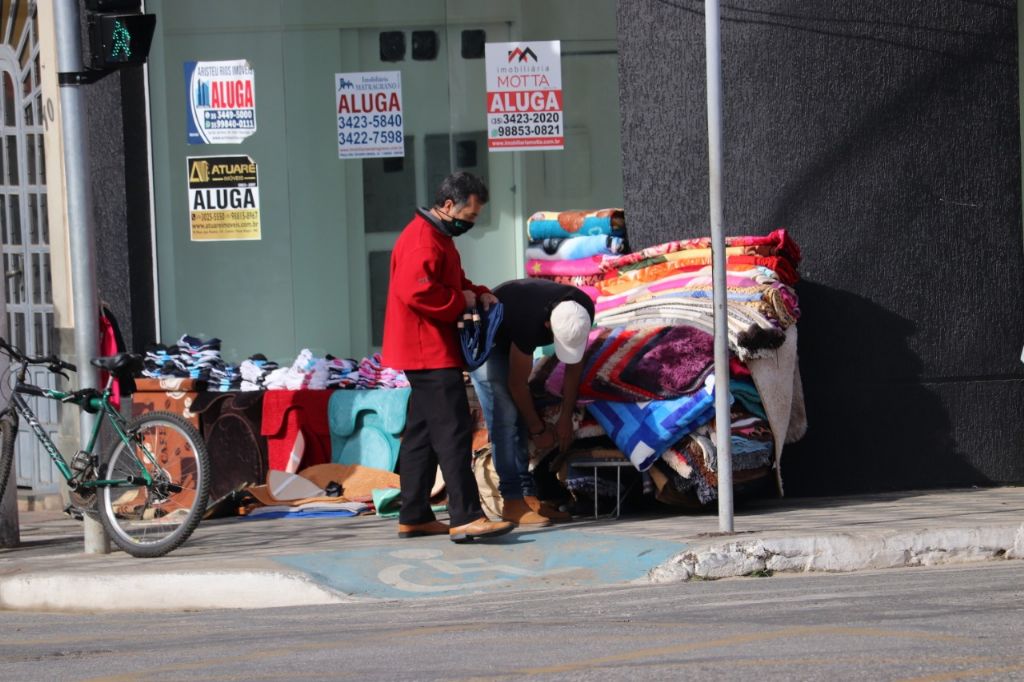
x=223, y=198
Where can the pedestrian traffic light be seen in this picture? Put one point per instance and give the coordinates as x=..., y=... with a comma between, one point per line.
x=119, y=33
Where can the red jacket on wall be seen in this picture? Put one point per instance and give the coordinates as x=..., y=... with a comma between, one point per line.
x=425, y=300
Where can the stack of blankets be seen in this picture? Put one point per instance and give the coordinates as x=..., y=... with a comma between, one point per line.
x=648, y=375
x=570, y=246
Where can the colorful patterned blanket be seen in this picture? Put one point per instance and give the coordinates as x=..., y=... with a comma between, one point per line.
x=562, y=224
x=585, y=283
x=684, y=259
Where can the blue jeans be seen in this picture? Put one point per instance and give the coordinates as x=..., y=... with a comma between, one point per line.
x=508, y=432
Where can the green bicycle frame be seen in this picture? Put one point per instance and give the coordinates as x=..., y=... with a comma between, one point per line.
x=94, y=404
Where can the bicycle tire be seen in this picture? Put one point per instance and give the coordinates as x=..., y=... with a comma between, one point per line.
x=152, y=520
x=8, y=435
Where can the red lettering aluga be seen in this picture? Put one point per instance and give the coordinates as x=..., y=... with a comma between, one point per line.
x=369, y=103
x=231, y=94
x=537, y=100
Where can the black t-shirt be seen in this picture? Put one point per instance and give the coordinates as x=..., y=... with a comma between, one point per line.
x=527, y=306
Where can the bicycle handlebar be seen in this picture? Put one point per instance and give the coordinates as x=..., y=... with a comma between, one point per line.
x=53, y=363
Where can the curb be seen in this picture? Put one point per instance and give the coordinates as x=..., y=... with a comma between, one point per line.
x=843, y=552
x=163, y=591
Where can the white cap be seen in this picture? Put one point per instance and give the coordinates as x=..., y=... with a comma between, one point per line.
x=570, y=325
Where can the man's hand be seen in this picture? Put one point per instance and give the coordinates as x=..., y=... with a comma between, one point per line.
x=470, y=297
x=564, y=430
x=487, y=300
x=545, y=440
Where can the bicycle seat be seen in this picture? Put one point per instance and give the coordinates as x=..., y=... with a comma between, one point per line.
x=122, y=363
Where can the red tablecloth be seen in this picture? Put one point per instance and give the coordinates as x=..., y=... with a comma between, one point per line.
x=285, y=415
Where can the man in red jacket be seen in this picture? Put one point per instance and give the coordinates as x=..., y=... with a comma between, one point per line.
x=427, y=294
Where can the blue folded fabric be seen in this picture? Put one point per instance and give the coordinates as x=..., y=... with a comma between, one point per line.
x=575, y=248
x=643, y=431
x=477, y=330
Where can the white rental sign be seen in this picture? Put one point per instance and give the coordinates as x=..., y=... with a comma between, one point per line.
x=524, y=96
x=369, y=109
x=221, y=101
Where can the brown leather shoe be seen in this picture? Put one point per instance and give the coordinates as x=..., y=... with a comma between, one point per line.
x=415, y=530
x=519, y=513
x=545, y=509
x=481, y=529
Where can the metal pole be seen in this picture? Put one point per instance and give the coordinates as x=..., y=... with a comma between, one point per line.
x=723, y=420
x=81, y=228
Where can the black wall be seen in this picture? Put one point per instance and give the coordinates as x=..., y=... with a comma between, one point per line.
x=885, y=137
x=119, y=168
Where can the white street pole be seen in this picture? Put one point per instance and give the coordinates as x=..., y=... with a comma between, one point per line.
x=723, y=421
x=81, y=229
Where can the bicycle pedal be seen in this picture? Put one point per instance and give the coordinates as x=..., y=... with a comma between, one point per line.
x=74, y=512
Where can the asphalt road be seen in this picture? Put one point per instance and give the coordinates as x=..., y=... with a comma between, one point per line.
x=907, y=624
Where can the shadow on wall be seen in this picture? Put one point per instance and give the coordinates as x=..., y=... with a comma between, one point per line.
x=872, y=420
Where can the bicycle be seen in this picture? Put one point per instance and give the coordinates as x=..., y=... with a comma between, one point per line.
x=155, y=479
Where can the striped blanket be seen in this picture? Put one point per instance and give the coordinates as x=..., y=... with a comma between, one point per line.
x=778, y=243
x=751, y=334
x=769, y=300
x=656, y=363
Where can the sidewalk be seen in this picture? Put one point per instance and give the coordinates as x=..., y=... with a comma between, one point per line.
x=248, y=563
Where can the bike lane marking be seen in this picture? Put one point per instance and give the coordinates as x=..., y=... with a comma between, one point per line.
x=434, y=566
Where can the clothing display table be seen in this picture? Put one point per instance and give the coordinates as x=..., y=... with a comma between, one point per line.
x=230, y=426
x=172, y=395
x=228, y=422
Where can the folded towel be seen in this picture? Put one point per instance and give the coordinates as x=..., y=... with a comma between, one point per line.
x=561, y=224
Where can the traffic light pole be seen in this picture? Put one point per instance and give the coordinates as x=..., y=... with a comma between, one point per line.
x=723, y=419
x=81, y=227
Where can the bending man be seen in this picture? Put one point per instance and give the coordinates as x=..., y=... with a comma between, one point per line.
x=536, y=313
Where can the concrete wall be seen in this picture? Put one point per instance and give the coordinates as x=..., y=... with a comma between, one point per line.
x=885, y=137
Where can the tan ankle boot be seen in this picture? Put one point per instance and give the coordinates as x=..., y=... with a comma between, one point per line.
x=519, y=513
x=546, y=510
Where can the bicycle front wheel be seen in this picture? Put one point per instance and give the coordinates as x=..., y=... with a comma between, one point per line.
x=149, y=518
x=8, y=434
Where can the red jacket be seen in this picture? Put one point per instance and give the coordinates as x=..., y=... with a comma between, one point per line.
x=424, y=300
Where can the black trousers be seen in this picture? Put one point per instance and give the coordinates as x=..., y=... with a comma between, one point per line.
x=438, y=432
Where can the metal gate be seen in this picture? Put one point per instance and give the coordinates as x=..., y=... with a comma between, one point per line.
x=24, y=228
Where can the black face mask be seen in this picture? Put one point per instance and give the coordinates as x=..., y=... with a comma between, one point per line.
x=456, y=226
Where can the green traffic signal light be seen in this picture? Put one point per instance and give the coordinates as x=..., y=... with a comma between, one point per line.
x=122, y=41
x=119, y=39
